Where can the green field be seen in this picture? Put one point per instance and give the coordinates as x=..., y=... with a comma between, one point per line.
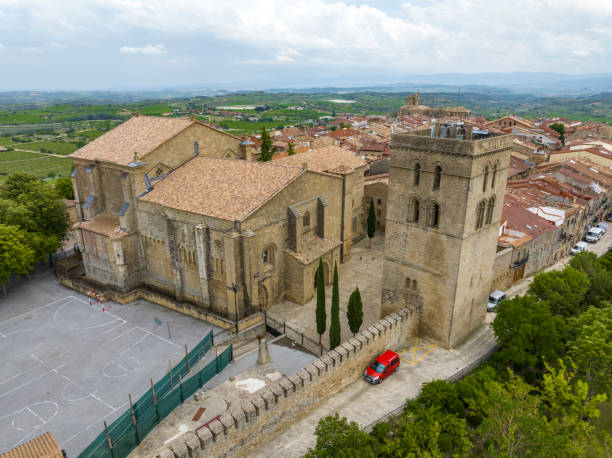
x=90, y=134
x=5, y=141
x=17, y=155
x=41, y=166
x=54, y=147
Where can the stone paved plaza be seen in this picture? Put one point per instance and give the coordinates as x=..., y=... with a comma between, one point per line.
x=363, y=270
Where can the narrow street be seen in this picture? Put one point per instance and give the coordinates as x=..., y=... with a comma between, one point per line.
x=599, y=248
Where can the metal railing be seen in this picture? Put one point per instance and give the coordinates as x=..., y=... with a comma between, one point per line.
x=281, y=327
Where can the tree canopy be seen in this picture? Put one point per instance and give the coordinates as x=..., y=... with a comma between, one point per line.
x=320, y=310
x=266, y=146
x=564, y=290
x=16, y=255
x=335, y=338
x=354, y=311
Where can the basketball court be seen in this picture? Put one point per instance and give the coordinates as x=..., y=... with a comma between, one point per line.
x=69, y=364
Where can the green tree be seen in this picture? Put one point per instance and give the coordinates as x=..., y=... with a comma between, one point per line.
x=371, y=222
x=567, y=407
x=427, y=432
x=334, y=326
x=16, y=256
x=266, y=146
x=590, y=347
x=64, y=189
x=600, y=278
x=559, y=127
x=512, y=424
x=354, y=311
x=38, y=211
x=339, y=438
x=527, y=332
x=320, y=311
x=441, y=395
x=290, y=150
x=564, y=290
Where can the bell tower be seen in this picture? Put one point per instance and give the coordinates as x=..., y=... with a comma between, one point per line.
x=445, y=198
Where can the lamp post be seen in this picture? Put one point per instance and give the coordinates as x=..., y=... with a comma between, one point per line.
x=234, y=288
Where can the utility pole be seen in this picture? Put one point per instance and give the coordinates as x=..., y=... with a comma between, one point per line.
x=234, y=288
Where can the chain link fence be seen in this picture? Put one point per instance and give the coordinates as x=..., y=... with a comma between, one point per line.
x=126, y=432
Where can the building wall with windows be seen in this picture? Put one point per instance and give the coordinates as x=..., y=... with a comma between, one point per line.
x=444, y=207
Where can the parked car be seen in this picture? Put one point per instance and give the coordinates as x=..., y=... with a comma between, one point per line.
x=603, y=226
x=593, y=235
x=495, y=298
x=382, y=367
x=579, y=248
x=609, y=218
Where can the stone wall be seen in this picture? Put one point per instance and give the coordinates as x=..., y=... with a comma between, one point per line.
x=269, y=411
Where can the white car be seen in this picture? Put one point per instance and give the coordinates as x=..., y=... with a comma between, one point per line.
x=603, y=226
x=579, y=248
x=593, y=234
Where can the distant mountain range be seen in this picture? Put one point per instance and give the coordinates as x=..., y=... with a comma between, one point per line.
x=523, y=83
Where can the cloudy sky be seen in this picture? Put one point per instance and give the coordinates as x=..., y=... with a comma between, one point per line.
x=128, y=44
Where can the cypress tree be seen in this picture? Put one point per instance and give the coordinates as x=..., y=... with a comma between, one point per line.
x=320, y=311
x=334, y=326
x=266, y=146
x=354, y=311
x=290, y=150
x=371, y=221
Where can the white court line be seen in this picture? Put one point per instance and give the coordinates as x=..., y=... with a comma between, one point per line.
x=80, y=329
x=105, y=403
x=108, y=313
x=160, y=338
x=37, y=309
x=36, y=358
x=42, y=422
x=129, y=347
x=16, y=388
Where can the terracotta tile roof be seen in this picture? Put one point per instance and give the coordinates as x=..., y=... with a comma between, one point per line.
x=139, y=134
x=43, y=446
x=516, y=167
x=105, y=224
x=313, y=248
x=228, y=189
x=327, y=159
x=521, y=219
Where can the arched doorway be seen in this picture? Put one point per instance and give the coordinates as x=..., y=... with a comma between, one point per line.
x=325, y=275
x=262, y=294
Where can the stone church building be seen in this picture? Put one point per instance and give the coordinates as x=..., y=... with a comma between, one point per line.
x=177, y=206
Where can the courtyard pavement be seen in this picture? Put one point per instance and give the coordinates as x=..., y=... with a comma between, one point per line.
x=363, y=270
x=67, y=367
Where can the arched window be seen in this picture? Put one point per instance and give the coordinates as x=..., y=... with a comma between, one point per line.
x=413, y=211
x=494, y=175
x=486, y=178
x=417, y=174
x=490, y=208
x=434, y=215
x=306, y=219
x=437, y=177
x=268, y=255
x=408, y=283
x=480, y=211
x=414, y=284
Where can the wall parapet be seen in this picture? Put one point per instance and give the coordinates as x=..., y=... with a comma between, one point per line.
x=274, y=408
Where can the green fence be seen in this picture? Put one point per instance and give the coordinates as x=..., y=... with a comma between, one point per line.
x=127, y=431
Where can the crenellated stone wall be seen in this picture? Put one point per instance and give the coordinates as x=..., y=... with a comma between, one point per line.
x=272, y=409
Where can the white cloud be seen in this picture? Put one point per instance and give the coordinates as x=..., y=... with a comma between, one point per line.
x=417, y=37
x=32, y=49
x=149, y=49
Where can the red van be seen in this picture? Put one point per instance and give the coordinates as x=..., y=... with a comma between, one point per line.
x=382, y=367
